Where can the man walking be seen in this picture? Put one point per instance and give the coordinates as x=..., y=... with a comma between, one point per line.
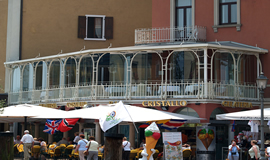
x=28, y=142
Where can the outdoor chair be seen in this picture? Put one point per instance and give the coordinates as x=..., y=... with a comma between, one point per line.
x=132, y=156
x=67, y=152
x=35, y=151
x=18, y=152
x=139, y=155
x=58, y=152
x=187, y=154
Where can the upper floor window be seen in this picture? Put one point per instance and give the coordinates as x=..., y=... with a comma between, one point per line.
x=228, y=11
x=227, y=14
x=183, y=13
x=95, y=27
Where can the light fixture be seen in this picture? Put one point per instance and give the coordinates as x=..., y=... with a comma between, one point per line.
x=262, y=81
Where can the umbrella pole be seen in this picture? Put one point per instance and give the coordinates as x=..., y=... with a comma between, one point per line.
x=25, y=123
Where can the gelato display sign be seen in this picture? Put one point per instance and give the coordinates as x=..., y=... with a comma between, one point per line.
x=206, y=143
x=172, y=145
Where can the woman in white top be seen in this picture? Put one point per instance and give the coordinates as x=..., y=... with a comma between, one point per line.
x=126, y=149
x=233, y=151
x=92, y=147
x=254, y=151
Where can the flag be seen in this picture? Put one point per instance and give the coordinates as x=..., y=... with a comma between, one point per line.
x=67, y=124
x=51, y=126
x=233, y=126
x=117, y=115
x=166, y=124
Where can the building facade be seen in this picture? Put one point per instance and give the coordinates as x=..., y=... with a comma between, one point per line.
x=198, y=58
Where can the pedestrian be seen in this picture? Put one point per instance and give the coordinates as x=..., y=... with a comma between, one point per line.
x=267, y=149
x=126, y=149
x=93, y=149
x=28, y=142
x=81, y=147
x=77, y=138
x=233, y=151
x=17, y=140
x=254, y=151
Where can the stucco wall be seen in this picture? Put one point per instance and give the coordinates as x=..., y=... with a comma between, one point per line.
x=51, y=26
x=3, y=36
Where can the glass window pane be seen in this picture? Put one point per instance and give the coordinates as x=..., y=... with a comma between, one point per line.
x=98, y=27
x=86, y=69
x=180, y=3
x=16, y=79
x=70, y=72
x=55, y=74
x=180, y=18
x=224, y=14
x=189, y=17
x=233, y=13
x=225, y=1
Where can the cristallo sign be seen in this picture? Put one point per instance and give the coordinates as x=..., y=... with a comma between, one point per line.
x=236, y=104
x=76, y=104
x=163, y=103
x=49, y=105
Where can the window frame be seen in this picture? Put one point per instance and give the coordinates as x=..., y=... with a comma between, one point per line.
x=103, y=27
x=217, y=17
x=229, y=4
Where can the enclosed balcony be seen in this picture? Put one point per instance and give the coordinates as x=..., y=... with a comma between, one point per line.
x=170, y=35
x=209, y=71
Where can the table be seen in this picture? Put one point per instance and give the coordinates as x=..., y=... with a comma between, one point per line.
x=134, y=89
x=169, y=89
x=193, y=88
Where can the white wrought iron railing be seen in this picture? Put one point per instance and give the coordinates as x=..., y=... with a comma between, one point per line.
x=165, y=35
x=137, y=91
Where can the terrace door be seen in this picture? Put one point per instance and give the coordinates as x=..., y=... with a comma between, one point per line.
x=183, y=21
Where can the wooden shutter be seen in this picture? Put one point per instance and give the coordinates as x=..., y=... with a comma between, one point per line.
x=82, y=27
x=109, y=27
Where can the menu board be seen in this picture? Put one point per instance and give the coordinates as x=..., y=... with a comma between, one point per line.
x=172, y=145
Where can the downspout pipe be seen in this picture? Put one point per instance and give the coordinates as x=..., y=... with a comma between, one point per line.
x=21, y=22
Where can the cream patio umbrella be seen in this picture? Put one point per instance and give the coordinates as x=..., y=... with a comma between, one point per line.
x=137, y=114
x=245, y=115
x=20, y=113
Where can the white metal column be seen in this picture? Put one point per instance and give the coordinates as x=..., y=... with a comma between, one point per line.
x=205, y=76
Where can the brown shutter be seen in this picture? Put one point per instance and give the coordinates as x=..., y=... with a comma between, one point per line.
x=82, y=27
x=109, y=27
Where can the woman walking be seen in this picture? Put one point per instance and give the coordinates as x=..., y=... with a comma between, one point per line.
x=254, y=151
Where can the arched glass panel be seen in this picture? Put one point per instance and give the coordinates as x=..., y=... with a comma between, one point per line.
x=70, y=72
x=16, y=79
x=55, y=74
x=146, y=68
x=182, y=66
x=28, y=77
x=86, y=71
x=246, y=71
x=41, y=75
x=224, y=68
x=215, y=112
x=188, y=111
x=111, y=69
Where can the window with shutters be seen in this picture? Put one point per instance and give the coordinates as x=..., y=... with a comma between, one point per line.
x=95, y=27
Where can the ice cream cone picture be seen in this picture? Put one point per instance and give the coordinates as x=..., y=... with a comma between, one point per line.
x=152, y=134
x=210, y=137
x=206, y=137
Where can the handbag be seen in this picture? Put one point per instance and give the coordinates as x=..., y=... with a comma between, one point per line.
x=86, y=151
